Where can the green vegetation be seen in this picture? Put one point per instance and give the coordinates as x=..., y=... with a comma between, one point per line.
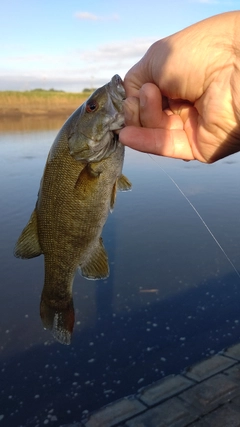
x=87, y=90
x=46, y=90
x=51, y=93
x=40, y=101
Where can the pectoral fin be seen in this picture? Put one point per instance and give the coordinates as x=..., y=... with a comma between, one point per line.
x=96, y=266
x=123, y=184
x=28, y=245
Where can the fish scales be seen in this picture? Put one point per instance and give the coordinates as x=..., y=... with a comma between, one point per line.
x=77, y=191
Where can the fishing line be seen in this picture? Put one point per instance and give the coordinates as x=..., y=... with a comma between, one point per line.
x=199, y=216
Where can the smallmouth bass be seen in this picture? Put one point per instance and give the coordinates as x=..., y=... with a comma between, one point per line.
x=82, y=175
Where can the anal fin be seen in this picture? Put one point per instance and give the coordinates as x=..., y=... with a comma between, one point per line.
x=96, y=267
x=28, y=245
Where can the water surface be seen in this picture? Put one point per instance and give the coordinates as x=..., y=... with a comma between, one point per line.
x=172, y=297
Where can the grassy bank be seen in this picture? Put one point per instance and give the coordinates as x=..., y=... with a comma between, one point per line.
x=39, y=102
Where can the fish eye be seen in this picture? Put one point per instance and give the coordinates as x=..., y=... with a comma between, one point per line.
x=91, y=106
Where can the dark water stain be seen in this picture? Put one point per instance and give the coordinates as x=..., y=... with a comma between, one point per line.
x=28, y=157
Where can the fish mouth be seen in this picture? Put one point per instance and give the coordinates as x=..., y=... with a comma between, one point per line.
x=93, y=136
x=95, y=149
x=118, y=90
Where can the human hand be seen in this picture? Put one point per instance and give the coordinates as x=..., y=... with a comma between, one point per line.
x=183, y=96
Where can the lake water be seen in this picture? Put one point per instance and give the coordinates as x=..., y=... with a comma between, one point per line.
x=172, y=297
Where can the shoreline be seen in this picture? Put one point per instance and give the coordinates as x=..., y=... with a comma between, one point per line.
x=22, y=113
x=39, y=103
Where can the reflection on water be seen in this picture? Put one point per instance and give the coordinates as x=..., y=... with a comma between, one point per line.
x=31, y=123
x=172, y=297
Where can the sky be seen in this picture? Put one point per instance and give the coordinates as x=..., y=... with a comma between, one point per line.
x=71, y=45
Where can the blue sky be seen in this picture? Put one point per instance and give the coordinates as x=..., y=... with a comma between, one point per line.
x=72, y=44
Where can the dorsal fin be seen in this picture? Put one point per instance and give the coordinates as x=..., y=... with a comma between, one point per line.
x=28, y=245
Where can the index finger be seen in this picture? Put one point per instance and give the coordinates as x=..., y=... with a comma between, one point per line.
x=136, y=77
x=132, y=82
x=163, y=142
x=147, y=70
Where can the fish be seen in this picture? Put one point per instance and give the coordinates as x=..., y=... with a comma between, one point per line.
x=82, y=174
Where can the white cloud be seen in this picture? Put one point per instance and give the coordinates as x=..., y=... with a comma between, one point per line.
x=33, y=81
x=91, y=17
x=72, y=70
x=120, y=50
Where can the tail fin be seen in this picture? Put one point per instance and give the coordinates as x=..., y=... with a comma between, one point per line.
x=60, y=321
